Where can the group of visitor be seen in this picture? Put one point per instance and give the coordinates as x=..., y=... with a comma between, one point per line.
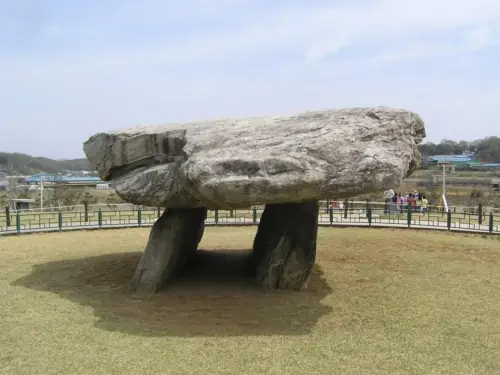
x=398, y=202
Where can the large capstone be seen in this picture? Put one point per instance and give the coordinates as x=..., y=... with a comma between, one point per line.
x=287, y=163
x=284, y=248
x=174, y=238
x=236, y=163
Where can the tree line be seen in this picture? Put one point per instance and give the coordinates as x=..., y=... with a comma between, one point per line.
x=485, y=150
x=13, y=163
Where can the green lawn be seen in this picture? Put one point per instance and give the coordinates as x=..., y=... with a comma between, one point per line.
x=380, y=301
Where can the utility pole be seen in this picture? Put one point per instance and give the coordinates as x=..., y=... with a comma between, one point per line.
x=443, y=196
x=444, y=179
x=41, y=193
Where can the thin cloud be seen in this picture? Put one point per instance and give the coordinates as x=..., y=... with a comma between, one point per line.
x=98, y=65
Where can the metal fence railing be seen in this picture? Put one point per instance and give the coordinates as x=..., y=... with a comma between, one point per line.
x=371, y=214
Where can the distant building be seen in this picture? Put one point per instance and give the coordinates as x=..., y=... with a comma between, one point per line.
x=16, y=179
x=478, y=164
x=66, y=180
x=490, y=165
x=464, y=161
x=19, y=204
x=450, y=159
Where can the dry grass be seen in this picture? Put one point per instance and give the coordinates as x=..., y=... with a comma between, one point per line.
x=380, y=302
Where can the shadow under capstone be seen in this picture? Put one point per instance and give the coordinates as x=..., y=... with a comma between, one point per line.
x=215, y=295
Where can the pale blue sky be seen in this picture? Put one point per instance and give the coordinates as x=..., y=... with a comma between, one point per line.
x=69, y=69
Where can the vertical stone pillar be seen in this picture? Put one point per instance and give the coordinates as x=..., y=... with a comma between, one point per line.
x=284, y=249
x=173, y=240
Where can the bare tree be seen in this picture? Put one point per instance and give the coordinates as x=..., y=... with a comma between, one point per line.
x=486, y=198
x=62, y=194
x=18, y=190
x=71, y=197
x=431, y=189
x=88, y=199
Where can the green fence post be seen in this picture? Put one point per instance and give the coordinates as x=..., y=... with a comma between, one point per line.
x=7, y=216
x=139, y=216
x=409, y=216
x=369, y=215
x=18, y=222
x=490, y=229
x=331, y=214
x=448, y=219
x=480, y=214
x=99, y=217
x=346, y=207
x=86, y=208
x=216, y=213
x=59, y=220
x=254, y=215
x=231, y=213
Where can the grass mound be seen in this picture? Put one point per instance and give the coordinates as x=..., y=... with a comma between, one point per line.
x=380, y=301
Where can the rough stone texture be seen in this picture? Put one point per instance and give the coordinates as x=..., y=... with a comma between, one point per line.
x=173, y=240
x=287, y=163
x=235, y=163
x=284, y=248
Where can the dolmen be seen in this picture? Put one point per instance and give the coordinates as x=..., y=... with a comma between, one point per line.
x=287, y=163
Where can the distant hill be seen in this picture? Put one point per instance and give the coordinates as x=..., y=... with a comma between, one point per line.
x=15, y=163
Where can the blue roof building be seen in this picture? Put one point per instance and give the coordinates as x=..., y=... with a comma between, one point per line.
x=37, y=179
x=490, y=165
x=453, y=159
x=460, y=160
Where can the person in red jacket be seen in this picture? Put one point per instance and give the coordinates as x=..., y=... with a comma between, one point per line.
x=412, y=202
